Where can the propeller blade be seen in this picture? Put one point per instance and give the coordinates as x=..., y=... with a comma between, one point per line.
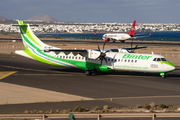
x=97, y=58
x=105, y=59
x=99, y=48
x=131, y=44
x=102, y=54
x=101, y=61
x=107, y=51
x=136, y=46
x=104, y=45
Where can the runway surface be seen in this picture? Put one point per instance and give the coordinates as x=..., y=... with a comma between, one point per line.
x=29, y=85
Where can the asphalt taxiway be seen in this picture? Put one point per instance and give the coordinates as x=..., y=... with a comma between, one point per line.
x=29, y=85
x=127, y=42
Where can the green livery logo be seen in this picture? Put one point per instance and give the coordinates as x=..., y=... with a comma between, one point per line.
x=131, y=56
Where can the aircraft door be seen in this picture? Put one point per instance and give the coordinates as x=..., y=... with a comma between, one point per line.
x=116, y=62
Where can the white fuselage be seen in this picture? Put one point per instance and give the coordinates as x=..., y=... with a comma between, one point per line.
x=117, y=36
x=122, y=61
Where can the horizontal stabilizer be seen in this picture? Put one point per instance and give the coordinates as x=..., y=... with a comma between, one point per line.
x=23, y=25
x=132, y=48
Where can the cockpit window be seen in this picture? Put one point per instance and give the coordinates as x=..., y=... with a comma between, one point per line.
x=158, y=59
x=163, y=59
x=154, y=59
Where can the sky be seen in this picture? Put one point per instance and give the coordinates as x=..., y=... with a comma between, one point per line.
x=94, y=11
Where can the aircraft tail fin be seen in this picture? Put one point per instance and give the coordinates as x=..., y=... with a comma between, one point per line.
x=30, y=40
x=131, y=31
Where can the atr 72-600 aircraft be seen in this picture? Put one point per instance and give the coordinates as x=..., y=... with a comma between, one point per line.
x=120, y=36
x=91, y=59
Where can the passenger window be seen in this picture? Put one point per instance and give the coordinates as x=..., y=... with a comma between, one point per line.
x=154, y=59
x=131, y=60
x=66, y=57
x=118, y=60
x=135, y=61
x=121, y=60
x=115, y=60
x=60, y=56
x=158, y=59
x=79, y=57
x=69, y=57
x=63, y=56
x=128, y=60
x=108, y=59
x=73, y=57
x=125, y=60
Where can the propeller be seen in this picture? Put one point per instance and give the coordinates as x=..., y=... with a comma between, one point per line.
x=102, y=55
x=131, y=44
x=135, y=48
x=132, y=50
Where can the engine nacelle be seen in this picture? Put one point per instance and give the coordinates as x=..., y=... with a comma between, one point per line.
x=106, y=39
x=93, y=54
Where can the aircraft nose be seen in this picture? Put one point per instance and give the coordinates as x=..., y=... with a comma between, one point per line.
x=171, y=67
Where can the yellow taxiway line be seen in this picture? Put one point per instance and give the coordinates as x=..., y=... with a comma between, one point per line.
x=4, y=74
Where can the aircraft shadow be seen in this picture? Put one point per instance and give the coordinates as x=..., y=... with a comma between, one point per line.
x=74, y=70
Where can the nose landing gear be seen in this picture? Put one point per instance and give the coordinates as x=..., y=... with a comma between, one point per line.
x=163, y=75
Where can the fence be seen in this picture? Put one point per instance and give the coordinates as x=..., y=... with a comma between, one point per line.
x=95, y=116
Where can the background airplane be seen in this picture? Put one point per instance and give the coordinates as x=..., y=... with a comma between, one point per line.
x=120, y=36
x=91, y=60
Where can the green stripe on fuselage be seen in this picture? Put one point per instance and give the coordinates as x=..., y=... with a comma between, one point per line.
x=166, y=62
x=79, y=64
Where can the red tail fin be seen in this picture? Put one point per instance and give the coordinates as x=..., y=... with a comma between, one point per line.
x=150, y=34
x=131, y=31
x=94, y=33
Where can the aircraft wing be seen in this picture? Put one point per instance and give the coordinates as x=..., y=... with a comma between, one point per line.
x=132, y=48
x=68, y=51
x=142, y=36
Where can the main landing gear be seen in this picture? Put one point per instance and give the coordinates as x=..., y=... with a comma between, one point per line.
x=88, y=72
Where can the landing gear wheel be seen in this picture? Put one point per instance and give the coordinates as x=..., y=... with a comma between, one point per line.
x=122, y=41
x=113, y=41
x=163, y=75
x=88, y=72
